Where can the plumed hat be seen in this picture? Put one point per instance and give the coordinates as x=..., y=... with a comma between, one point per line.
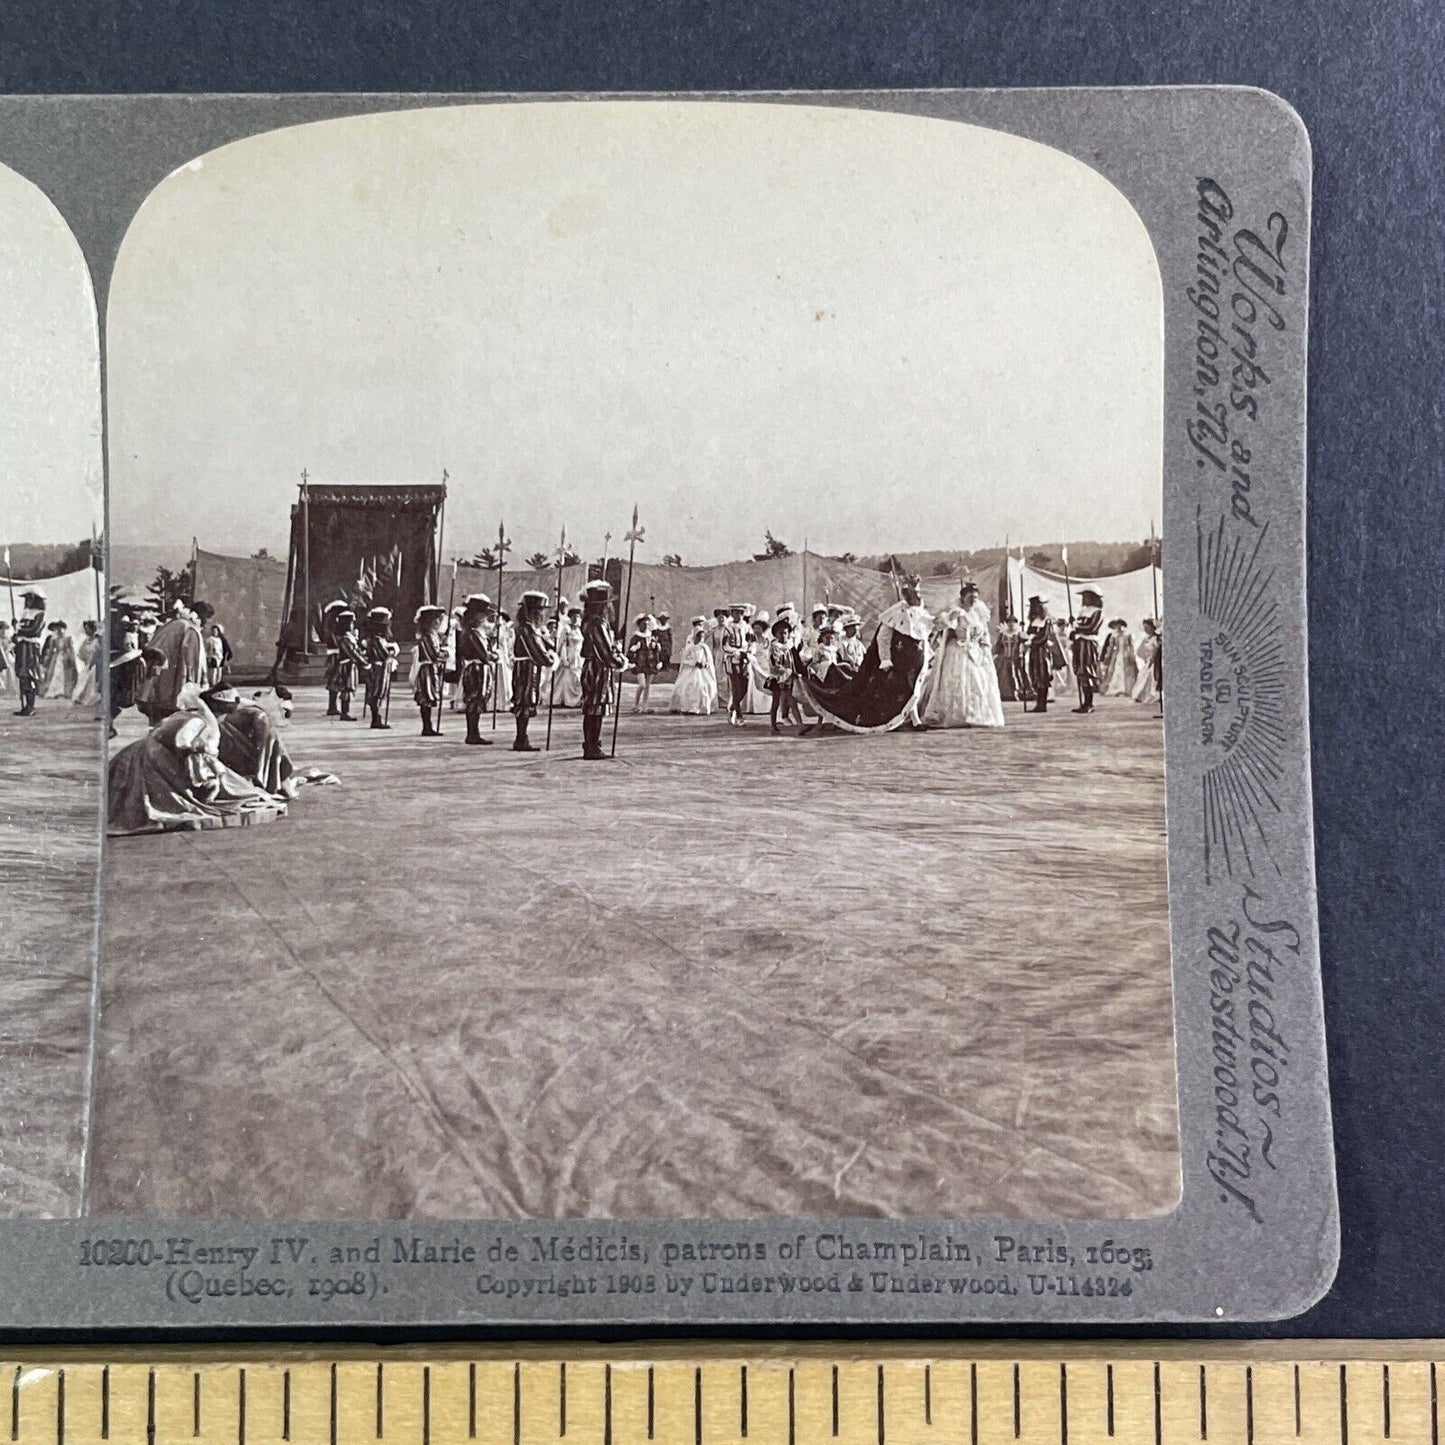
x=1091, y=598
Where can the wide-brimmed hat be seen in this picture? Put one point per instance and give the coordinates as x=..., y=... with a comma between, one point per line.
x=1091, y=598
x=427, y=611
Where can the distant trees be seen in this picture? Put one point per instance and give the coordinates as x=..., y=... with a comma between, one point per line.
x=773, y=547
x=942, y=569
x=539, y=561
x=167, y=587
x=672, y=559
x=848, y=557
x=571, y=557
x=486, y=559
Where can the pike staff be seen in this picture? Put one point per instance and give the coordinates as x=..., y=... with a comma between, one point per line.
x=633, y=536
x=497, y=664
x=10, y=588
x=1068, y=588
x=556, y=607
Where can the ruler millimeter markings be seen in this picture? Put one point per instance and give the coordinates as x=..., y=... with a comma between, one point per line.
x=726, y=1395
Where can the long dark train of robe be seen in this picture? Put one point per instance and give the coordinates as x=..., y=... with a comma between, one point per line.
x=874, y=699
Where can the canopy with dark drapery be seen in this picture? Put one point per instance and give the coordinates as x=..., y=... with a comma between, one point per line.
x=373, y=546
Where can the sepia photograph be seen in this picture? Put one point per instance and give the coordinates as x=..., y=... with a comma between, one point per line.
x=52, y=664
x=635, y=678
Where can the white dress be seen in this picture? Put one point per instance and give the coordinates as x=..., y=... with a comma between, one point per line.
x=964, y=691
x=695, y=690
x=87, y=689
x=760, y=700
x=567, y=690
x=1146, y=690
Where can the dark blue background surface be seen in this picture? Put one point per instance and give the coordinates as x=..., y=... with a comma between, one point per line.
x=1368, y=76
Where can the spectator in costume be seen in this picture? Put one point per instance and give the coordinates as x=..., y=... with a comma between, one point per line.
x=1084, y=639
x=29, y=642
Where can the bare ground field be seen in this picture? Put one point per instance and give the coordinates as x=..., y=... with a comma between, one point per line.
x=728, y=974
x=49, y=877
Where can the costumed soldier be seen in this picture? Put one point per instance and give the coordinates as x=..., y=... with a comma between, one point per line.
x=602, y=657
x=328, y=637
x=662, y=634
x=431, y=662
x=1043, y=652
x=381, y=652
x=351, y=661
x=530, y=654
x=29, y=642
x=475, y=657
x=1084, y=640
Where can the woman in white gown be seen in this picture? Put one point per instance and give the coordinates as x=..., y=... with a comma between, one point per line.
x=567, y=683
x=964, y=689
x=1119, y=667
x=87, y=689
x=1146, y=690
x=695, y=690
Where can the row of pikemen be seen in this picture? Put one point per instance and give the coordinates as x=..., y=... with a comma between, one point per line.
x=362, y=656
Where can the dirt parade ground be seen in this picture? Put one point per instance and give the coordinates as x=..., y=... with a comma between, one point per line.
x=729, y=974
x=50, y=803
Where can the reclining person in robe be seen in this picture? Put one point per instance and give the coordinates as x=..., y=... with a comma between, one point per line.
x=250, y=736
x=173, y=779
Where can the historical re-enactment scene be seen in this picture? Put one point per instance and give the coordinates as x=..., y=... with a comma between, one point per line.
x=635, y=687
x=52, y=666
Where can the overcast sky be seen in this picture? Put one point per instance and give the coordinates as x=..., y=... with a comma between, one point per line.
x=878, y=332
x=50, y=457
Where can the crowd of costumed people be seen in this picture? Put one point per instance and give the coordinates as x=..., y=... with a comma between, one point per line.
x=214, y=757
x=43, y=661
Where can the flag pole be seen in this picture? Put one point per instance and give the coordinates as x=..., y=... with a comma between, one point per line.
x=436, y=579
x=10, y=587
x=306, y=562
x=1153, y=569
x=632, y=536
x=552, y=690
x=497, y=663
x=95, y=567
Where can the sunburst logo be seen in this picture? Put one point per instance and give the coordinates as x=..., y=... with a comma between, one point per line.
x=1239, y=710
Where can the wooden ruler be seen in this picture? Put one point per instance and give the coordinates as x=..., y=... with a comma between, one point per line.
x=1061, y=1394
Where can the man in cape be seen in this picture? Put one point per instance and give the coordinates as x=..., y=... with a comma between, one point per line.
x=1084, y=640
x=29, y=643
x=602, y=657
x=530, y=655
x=903, y=632
x=179, y=642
